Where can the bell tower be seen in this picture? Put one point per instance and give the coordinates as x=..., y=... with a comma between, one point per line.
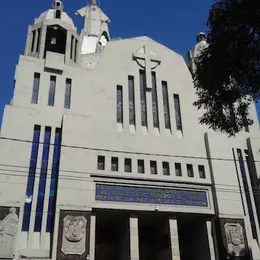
x=53, y=33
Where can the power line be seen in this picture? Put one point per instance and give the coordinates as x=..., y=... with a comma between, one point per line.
x=124, y=152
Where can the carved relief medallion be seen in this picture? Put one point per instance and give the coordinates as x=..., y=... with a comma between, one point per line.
x=8, y=229
x=235, y=238
x=74, y=235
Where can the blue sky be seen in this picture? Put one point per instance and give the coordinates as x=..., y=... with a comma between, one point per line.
x=174, y=23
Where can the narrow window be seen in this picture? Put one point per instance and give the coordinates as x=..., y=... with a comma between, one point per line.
x=43, y=178
x=178, y=171
x=143, y=98
x=76, y=50
x=166, y=109
x=155, y=101
x=71, y=47
x=114, y=164
x=131, y=93
x=36, y=84
x=166, y=168
x=54, y=181
x=128, y=165
x=119, y=104
x=140, y=166
x=101, y=163
x=190, y=170
x=153, y=167
x=52, y=91
x=177, y=111
x=33, y=40
x=58, y=14
x=247, y=192
x=31, y=178
x=38, y=40
x=202, y=172
x=67, y=94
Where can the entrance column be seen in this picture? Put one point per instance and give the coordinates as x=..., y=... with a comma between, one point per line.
x=211, y=241
x=134, y=238
x=92, y=238
x=174, y=239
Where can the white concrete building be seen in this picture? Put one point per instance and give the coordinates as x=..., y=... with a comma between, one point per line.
x=102, y=156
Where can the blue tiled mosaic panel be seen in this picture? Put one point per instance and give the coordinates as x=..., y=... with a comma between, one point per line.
x=151, y=195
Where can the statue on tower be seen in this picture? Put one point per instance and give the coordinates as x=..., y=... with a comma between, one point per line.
x=196, y=51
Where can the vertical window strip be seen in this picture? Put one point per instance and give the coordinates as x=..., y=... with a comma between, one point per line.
x=166, y=108
x=52, y=91
x=76, y=50
x=36, y=85
x=42, y=182
x=33, y=40
x=143, y=98
x=247, y=192
x=177, y=111
x=155, y=101
x=67, y=94
x=71, y=47
x=119, y=104
x=38, y=40
x=131, y=93
x=31, y=178
x=54, y=181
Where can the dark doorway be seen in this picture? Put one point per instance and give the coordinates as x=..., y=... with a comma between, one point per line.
x=154, y=237
x=193, y=238
x=112, y=236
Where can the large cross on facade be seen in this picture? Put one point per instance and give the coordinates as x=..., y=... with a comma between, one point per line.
x=147, y=60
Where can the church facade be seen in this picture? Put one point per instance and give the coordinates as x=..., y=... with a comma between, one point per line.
x=102, y=155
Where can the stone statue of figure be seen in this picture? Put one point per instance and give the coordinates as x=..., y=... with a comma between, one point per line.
x=8, y=229
x=196, y=51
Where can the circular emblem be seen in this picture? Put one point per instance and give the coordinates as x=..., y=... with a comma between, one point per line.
x=74, y=229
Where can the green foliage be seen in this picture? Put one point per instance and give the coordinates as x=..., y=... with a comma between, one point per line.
x=228, y=71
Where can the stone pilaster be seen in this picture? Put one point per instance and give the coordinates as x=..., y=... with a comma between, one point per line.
x=211, y=241
x=92, y=239
x=174, y=236
x=134, y=238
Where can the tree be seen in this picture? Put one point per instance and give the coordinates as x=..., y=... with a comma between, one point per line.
x=227, y=78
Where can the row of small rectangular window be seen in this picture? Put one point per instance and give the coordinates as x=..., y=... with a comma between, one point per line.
x=153, y=167
x=143, y=103
x=52, y=90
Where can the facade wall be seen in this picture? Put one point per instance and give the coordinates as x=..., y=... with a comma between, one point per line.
x=90, y=129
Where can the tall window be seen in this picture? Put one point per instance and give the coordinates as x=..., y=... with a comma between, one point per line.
x=33, y=40
x=178, y=171
x=143, y=98
x=54, y=180
x=38, y=40
x=190, y=170
x=119, y=94
x=202, y=171
x=31, y=178
x=166, y=108
x=67, y=94
x=247, y=192
x=114, y=164
x=42, y=182
x=177, y=111
x=131, y=93
x=153, y=167
x=155, y=101
x=166, y=168
x=52, y=91
x=128, y=165
x=140, y=166
x=101, y=162
x=36, y=85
